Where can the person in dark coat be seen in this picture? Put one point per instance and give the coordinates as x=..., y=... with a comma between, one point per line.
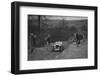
x=78, y=38
x=33, y=41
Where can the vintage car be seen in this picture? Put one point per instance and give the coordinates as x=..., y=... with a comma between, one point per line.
x=58, y=46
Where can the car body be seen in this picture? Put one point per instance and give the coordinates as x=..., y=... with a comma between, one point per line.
x=58, y=46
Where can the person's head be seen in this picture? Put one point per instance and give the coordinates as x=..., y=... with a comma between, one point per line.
x=57, y=46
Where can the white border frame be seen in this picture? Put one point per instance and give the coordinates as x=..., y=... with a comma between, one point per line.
x=25, y=64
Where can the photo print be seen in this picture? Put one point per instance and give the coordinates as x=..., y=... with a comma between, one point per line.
x=57, y=37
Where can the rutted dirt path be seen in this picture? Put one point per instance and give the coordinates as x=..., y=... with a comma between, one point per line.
x=71, y=51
